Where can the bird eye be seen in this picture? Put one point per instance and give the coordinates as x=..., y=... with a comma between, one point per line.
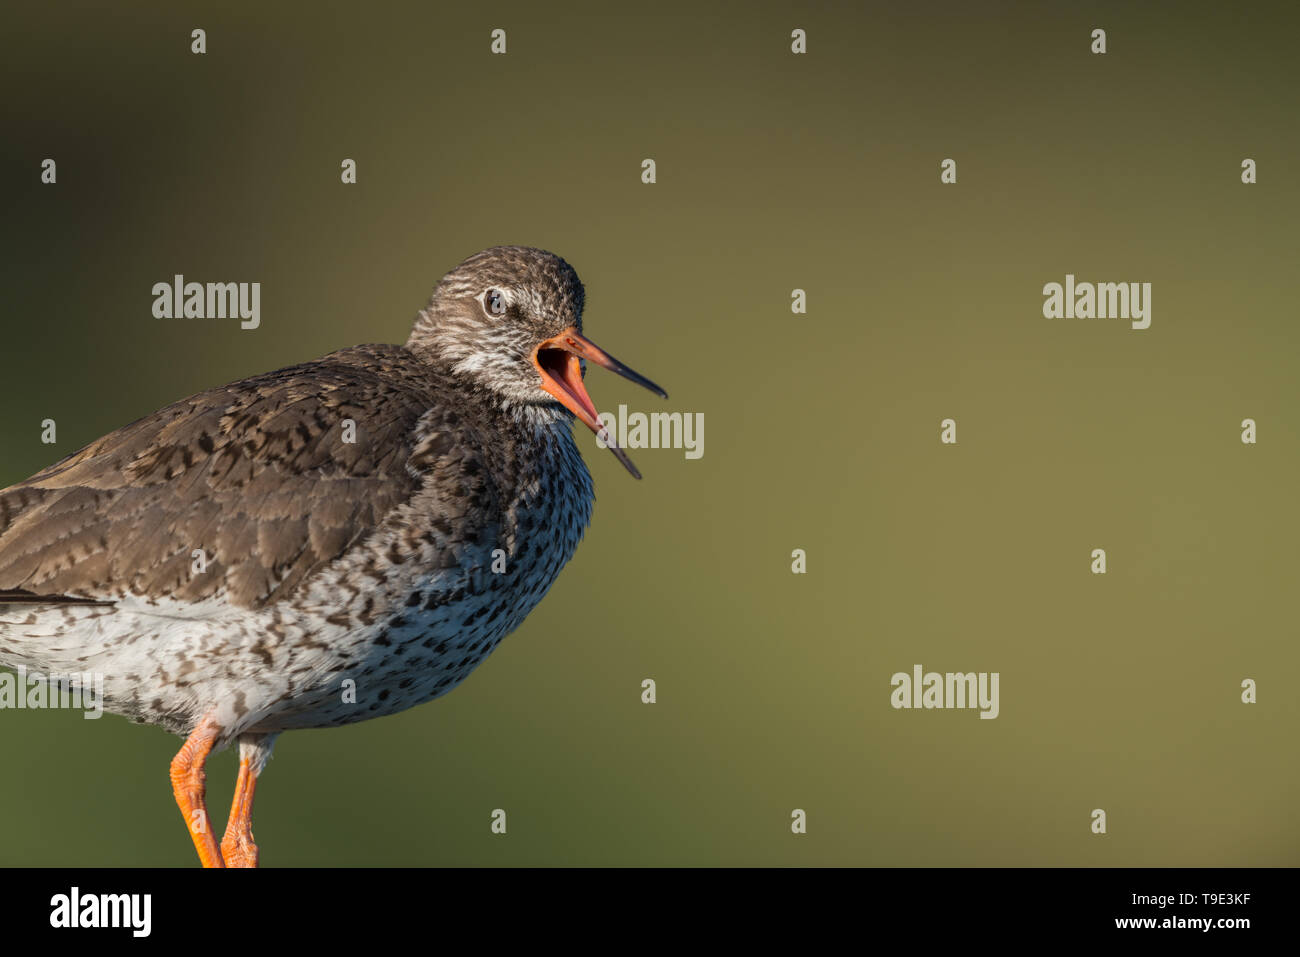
x=494, y=302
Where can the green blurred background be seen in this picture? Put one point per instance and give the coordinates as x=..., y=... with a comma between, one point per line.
x=775, y=171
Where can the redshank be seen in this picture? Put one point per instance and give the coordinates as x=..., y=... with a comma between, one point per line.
x=334, y=541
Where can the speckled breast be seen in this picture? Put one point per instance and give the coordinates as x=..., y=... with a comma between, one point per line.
x=415, y=627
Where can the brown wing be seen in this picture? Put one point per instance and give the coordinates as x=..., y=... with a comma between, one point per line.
x=256, y=474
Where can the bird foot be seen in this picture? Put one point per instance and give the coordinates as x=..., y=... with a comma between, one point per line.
x=188, y=784
x=188, y=787
x=238, y=850
x=237, y=847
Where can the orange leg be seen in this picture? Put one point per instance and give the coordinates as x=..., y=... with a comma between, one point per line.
x=188, y=785
x=237, y=846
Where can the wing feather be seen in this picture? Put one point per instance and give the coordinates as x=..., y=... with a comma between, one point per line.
x=255, y=473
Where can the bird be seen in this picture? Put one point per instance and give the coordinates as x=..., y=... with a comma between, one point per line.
x=323, y=544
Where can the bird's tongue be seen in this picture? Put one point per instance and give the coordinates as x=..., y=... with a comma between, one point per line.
x=568, y=377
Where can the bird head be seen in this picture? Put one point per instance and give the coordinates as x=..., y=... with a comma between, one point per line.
x=509, y=319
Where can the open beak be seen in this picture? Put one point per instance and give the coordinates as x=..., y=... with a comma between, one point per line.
x=558, y=359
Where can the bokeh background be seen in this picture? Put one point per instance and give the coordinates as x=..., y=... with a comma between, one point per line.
x=775, y=171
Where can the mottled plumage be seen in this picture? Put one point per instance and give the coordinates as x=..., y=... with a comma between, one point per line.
x=230, y=563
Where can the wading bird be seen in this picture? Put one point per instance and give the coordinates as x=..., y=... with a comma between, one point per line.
x=383, y=516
